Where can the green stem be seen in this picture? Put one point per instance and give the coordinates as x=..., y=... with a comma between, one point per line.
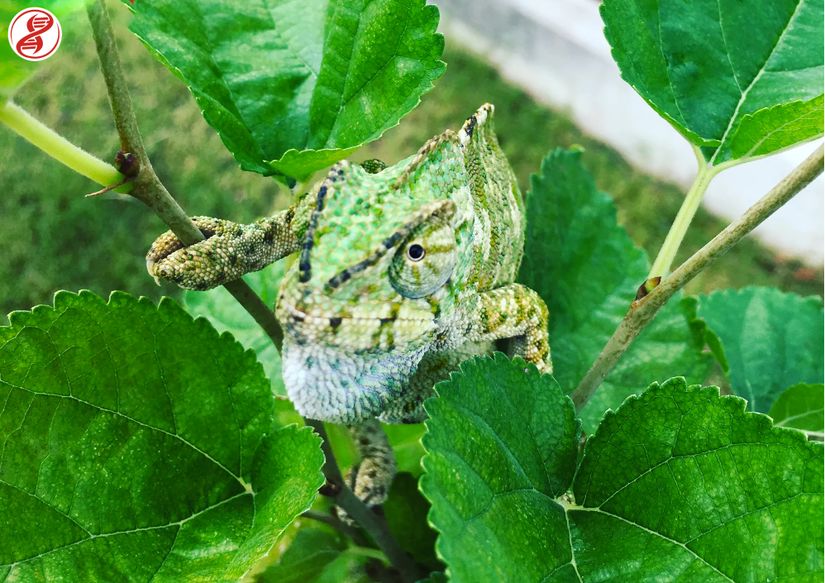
x=673, y=240
x=26, y=126
x=642, y=311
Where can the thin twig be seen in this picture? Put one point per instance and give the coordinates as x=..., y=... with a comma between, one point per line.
x=335, y=523
x=149, y=190
x=642, y=312
x=147, y=186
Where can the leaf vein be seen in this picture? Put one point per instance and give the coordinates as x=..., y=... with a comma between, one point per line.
x=744, y=95
x=654, y=533
x=133, y=420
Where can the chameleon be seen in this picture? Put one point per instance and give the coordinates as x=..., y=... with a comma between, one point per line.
x=402, y=273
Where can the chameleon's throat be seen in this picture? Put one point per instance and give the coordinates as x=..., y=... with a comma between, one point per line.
x=341, y=386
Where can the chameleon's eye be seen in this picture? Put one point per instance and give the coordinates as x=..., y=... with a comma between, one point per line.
x=415, y=252
x=425, y=261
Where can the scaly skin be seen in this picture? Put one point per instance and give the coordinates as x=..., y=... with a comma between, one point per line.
x=404, y=272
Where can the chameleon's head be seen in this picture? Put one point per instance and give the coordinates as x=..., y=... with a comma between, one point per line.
x=381, y=265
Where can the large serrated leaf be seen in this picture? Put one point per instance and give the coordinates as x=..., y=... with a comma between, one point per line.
x=678, y=484
x=292, y=87
x=800, y=406
x=587, y=270
x=139, y=444
x=771, y=340
x=501, y=442
x=741, y=78
x=227, y=315
x=698, y=486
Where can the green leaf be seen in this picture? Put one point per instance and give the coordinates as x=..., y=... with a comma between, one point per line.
x=14, y=70
x=679, y=483
x=587, y=270
x=738, y=78
x=673, y=342
x=293, y=87
x=406, y=513
x=406, y=445
x=700, y=486
x=139, y=444
x=227, y=315
x=317, y=555
x=771, y=340
x=502, y=440
x=800, y=407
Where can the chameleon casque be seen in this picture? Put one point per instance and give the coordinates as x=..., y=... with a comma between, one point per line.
x=403, y=272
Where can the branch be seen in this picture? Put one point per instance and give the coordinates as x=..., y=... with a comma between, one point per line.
x=642, y=311
x=147, y=186
x=149, y=190
x=375, y=525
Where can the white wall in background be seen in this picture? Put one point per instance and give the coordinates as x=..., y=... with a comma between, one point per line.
x=556, y=51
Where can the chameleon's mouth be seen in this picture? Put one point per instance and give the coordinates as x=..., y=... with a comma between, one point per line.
x=372, y=328
x=292, y=312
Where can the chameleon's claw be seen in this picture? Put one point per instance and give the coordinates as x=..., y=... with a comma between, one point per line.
x=150, y=267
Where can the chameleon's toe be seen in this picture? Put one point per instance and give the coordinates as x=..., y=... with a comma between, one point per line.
x=162, y=247
x=201, y=266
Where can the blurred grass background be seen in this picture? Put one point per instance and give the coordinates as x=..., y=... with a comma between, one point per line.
x=52, y=238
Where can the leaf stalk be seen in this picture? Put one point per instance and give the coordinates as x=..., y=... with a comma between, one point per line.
x=676, y=234
x=40, y=135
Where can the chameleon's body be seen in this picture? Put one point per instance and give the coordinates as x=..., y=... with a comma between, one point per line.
x=402, y=274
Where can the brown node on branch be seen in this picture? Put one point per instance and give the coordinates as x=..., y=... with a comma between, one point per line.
x=330, y=489
x=127, y=164
x=648, y=286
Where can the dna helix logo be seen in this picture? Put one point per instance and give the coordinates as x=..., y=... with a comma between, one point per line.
x=34, y=34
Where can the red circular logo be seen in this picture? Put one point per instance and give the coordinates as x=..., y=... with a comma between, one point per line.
x=34, y=34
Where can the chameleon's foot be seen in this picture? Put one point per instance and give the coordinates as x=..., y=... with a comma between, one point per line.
x=229, y=251
x=371, y=479
x=518, y=313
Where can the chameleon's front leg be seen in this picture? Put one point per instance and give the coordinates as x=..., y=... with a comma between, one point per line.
x=229, y=251
x=517, y=312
